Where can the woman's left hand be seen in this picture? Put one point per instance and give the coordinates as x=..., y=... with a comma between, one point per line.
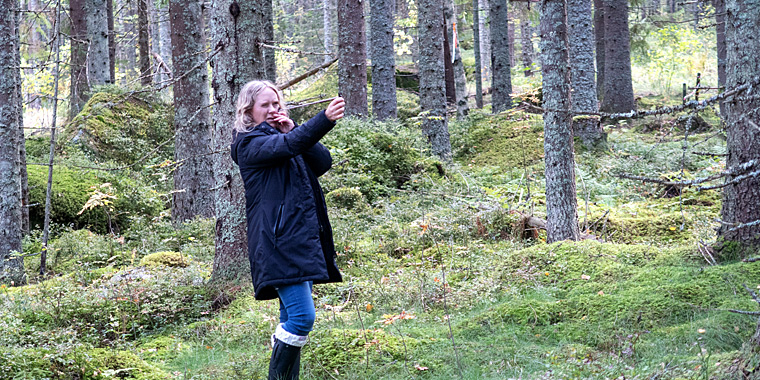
x=283, y=123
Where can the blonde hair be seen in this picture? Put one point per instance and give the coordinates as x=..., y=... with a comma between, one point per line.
x=247, y=98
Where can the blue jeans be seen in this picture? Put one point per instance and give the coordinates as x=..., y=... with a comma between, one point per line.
x=297, y=313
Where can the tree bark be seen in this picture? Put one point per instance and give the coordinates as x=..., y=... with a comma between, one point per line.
x=526, y=41
x=126, y=50
x=269, y=54
x=352, y=57
x=599, y=50
x=618, y=83
x=11, y=270
x=236, y=26
x=561, y=203
x=327, y=28
x=431, y=71
x=98, y=59
x=476, y=52
x=485, y=37
x=720, y=38
x=79, y=85
x=583, y=84
x=193, y=178
x=460, y=81
x=448, y=65
x=501, y=84
x=741, y=201
x=111, y=42
x=383, y=60
x=143, y=42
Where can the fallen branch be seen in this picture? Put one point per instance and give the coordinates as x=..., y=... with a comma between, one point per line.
x=306, y=74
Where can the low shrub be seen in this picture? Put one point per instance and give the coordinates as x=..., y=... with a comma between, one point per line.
x=165, y=258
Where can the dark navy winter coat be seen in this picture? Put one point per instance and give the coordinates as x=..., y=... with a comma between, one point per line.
x=289, y=235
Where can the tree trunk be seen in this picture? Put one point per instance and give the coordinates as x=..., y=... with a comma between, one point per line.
x=383, y=60
x=583, y=84
x=526, y=35
x=431, y=71
x=460, y=81
x=599, y=42
x=352, y=53
x=235, y=28
x=448, y=65
x=720, y=37
x=126, y=49
x=485, y=37
x=11, y=270
x=402, y=9
x=111, y=42
x=741, y=200
x=327, y=15
x=618, y=84
x=193, y=178
x=98, y=59
x=476, y=52
x=143, y=42
x=79, y=86
x=165, y=37
x=154, y=36
x=269, y=54
x=501, y=84
x=561, y=204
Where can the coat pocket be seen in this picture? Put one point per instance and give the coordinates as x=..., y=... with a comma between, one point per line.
x=278, y=221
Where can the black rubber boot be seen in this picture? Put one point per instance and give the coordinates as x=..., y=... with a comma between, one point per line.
x=286, y=361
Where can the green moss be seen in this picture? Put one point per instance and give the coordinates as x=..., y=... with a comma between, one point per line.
x=348, y=198
x=71, y=190
x=164, y=258
x=508, y=140
x=122, y=127
x=337, y=348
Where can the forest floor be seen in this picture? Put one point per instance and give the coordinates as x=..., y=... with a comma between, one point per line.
x=443, y=279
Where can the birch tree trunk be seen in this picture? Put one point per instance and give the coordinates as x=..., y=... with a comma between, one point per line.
x=501, y=84
x=98, y=58
x=583, y=83
x=618, y=84
x=431, y=71
x=476, y=51
x=740, y=213
x=352, y=57
x=235, y=29
x=561, y=203
x=11, y=270
x=193, y=178
x=383, y=60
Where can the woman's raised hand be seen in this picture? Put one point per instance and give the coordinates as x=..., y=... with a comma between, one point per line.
x=282, y=122
x=336, y=109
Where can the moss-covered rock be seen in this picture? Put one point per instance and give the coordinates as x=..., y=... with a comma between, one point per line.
x=71, y=190
x=508, y=140
x=348, y=198
x=165, y=258
x=122, y=126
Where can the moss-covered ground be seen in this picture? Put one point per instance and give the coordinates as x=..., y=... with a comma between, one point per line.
x=441, y=278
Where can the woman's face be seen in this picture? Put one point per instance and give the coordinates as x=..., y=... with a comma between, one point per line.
x=265, y=107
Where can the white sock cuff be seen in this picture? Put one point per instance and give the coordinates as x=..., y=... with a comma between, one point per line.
x=288, y=338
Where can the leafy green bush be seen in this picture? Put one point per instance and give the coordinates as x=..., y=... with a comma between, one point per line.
x=375, y=157
x=346, y=197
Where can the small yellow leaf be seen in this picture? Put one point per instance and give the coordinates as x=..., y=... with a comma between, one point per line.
x=672, y=228
x=369, y=307
x=701, y=331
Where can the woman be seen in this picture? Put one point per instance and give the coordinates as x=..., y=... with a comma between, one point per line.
x=290, y=245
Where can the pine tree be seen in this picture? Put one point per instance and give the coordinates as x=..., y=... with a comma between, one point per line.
x=352, y=57
x=432, y=81
x=383, y=60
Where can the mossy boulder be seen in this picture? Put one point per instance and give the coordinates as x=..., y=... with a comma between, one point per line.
x=507, y=140
x=348, y=198
x=165, y=258
x=71, y=190
x=122, y=126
